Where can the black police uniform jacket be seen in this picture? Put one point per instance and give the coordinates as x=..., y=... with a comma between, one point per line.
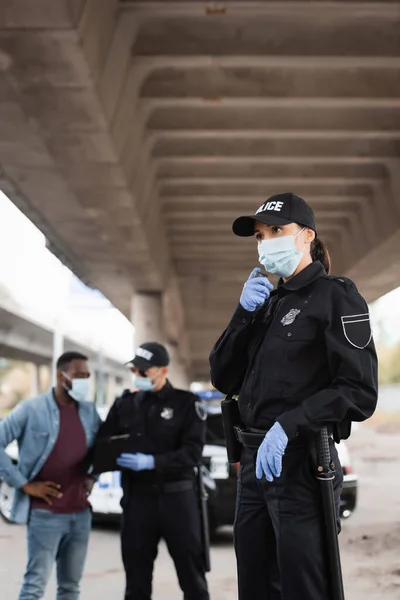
x=306, y=358
x=169, y=425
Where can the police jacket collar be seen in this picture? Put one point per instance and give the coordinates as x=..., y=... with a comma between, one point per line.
x=162, y=394
x=312, y=272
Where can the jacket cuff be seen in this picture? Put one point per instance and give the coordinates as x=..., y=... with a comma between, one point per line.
x=159, y=462
x=292, y=420
x=241, y=317
x=15, y=479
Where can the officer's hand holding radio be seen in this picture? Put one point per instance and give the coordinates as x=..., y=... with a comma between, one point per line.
x=136, y=462
x=269, y=455
x=256, y=290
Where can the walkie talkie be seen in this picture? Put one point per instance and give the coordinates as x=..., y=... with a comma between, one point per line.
x=270, y=304
x=259, y=274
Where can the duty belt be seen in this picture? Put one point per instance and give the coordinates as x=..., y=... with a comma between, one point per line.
x=248, y=438
x=254, y=439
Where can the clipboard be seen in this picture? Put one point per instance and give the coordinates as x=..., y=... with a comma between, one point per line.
x=107, y=450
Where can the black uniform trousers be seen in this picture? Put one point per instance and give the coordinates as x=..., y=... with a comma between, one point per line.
x=148, y=516
x=279, y=537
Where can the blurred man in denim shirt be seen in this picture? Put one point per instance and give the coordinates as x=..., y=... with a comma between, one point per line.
x=54, y=432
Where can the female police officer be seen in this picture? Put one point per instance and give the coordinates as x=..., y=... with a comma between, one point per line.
x=302, y=357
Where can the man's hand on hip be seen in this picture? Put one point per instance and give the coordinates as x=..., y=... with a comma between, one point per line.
x=45, y=490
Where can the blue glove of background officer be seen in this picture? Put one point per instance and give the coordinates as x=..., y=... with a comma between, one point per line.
x=136, y=462
x=255, y=291
x=270, y=453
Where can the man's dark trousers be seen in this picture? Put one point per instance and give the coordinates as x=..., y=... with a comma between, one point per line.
x=279, y=537
x=150, y=515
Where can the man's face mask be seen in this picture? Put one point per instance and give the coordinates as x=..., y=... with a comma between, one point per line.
x=280, y=256
x=79, y=388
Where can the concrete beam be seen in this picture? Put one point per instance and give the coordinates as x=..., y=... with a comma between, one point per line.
x=43, y=14
x=172, y=8
x=214, y=80
x=274, y=143
x=149, y=64
x=197, y=168
x=116, y=67
x=373, y=276
x=310, y=118
x=96, y=31
x=264, y=187
x=293, y=29
x=251, y=203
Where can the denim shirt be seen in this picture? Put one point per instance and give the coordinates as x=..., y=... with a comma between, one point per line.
x=35, y=425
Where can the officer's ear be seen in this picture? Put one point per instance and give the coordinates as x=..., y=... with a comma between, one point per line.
x=164, y=371
x=310, y=235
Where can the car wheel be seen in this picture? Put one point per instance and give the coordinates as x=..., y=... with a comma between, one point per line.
x=6, y=500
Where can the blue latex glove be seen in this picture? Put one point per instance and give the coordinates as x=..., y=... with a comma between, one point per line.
x=255, y=291
x=136, y=462
x=269, y=455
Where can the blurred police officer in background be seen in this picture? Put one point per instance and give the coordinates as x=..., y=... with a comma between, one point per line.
x=166, y=428
x=301, y=357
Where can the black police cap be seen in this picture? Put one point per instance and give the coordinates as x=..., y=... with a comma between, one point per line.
x=150, y=354
x=280, y=209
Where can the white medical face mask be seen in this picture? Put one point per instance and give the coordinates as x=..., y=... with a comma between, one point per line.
x=80, y=388
x=145, y=384
x=280, y=256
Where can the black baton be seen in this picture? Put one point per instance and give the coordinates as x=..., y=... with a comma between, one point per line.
x=205, y=529
x=326, y=476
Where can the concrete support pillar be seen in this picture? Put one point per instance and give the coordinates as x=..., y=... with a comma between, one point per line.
x=177, y=370
x=148, y=320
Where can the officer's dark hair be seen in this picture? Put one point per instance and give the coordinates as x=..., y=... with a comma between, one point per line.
x=320, y=252
x=66, y=359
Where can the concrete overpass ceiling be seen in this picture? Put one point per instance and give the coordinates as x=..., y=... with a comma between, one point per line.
x=261, y=98
x=141, y=129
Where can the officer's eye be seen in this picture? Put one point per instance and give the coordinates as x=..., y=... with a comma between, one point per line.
x=259, y=237
x=275, y=229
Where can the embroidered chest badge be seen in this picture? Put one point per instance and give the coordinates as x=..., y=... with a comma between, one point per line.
x=290, y=317
x=167, y=414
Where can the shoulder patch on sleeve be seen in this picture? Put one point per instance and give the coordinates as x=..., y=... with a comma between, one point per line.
x=200, y=409
x=357, y=330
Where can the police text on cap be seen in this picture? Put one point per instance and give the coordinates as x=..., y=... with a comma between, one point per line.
x=146, y=354
x=272, y=205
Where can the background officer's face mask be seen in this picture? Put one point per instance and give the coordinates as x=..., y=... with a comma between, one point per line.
x=143, y=383
x=79, y=389
x=279, y=256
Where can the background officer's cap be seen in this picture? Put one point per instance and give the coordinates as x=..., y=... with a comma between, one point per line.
x=280, y=209
x=150, y=354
